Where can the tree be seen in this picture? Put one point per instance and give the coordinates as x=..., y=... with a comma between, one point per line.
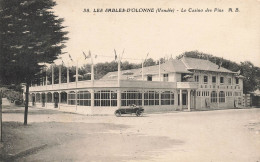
x=149, y=62
x=251, y=76
x=30, y=36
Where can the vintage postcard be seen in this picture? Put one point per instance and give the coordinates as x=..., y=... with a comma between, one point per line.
x=130, y=80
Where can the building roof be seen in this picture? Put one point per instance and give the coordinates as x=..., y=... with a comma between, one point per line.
x=172, y=66
x=168, y=67
x=205, y=65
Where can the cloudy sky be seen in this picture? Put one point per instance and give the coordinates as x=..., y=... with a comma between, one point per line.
x=231, y=35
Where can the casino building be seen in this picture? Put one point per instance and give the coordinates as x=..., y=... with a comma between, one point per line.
x=185, y=84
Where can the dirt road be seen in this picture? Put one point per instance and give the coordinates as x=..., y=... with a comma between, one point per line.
x=223, y=135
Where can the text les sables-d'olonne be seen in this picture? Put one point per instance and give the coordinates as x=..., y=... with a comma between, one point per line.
x=160, y=10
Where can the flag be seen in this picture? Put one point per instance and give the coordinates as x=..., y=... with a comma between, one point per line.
x=89, y=55
x=70, y=57
x=84, y=55
x=115, y=55
x=122, y=54
x=146, y=56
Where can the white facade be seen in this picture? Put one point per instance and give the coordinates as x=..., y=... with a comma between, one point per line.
x=179, y=87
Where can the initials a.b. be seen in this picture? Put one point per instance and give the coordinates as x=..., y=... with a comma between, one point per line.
x=233, y=10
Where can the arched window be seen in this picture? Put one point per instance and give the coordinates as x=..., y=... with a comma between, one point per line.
x=38, y=97
x=56, y=97
x=167, y=98
x=49, y=97
x=213, y=96
x=33, y=97
x=63, y=97
x=43, y=97
x=72, y=98
x=221, y=96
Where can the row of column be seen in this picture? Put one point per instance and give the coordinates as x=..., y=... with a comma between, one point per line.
x=119, y=98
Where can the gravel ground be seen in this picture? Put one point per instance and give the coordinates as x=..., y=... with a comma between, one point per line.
x=223, y=135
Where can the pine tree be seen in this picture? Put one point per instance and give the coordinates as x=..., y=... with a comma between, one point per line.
x=30, y=36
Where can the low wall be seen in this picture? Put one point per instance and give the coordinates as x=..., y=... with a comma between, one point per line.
x=201, y=103
x=158, y=108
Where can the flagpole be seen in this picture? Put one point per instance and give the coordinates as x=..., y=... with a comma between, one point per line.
x=60, y=74
x=77, y=79
x=92, y=69
x=46, y=79
x=52, y=75
x=159, y=70
x=77, y=74
x=119, y=71
x=142, y=69
x=68, y=73
x=42, y=76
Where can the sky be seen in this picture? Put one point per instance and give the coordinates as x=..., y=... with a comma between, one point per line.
x=231, y=35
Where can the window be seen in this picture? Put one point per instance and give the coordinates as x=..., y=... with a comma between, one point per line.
x=221, y=80
x=149, y=78
x=151, y=98
x=165, y=77
x=213, y=96
x=38, y=97
x=229, y=81
x=63, y=97
x=205, y=93
x=237, y=80
x=131, y=97
x=84, y=98
x=228, y=93
x=49, y=97
x=196, y=77
x=205, y=79
x=213, y=79
x=221, y=96
x=32, y=98
x=43, y=97
x=72, y=98
x=105, y=98
x=167, y=98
